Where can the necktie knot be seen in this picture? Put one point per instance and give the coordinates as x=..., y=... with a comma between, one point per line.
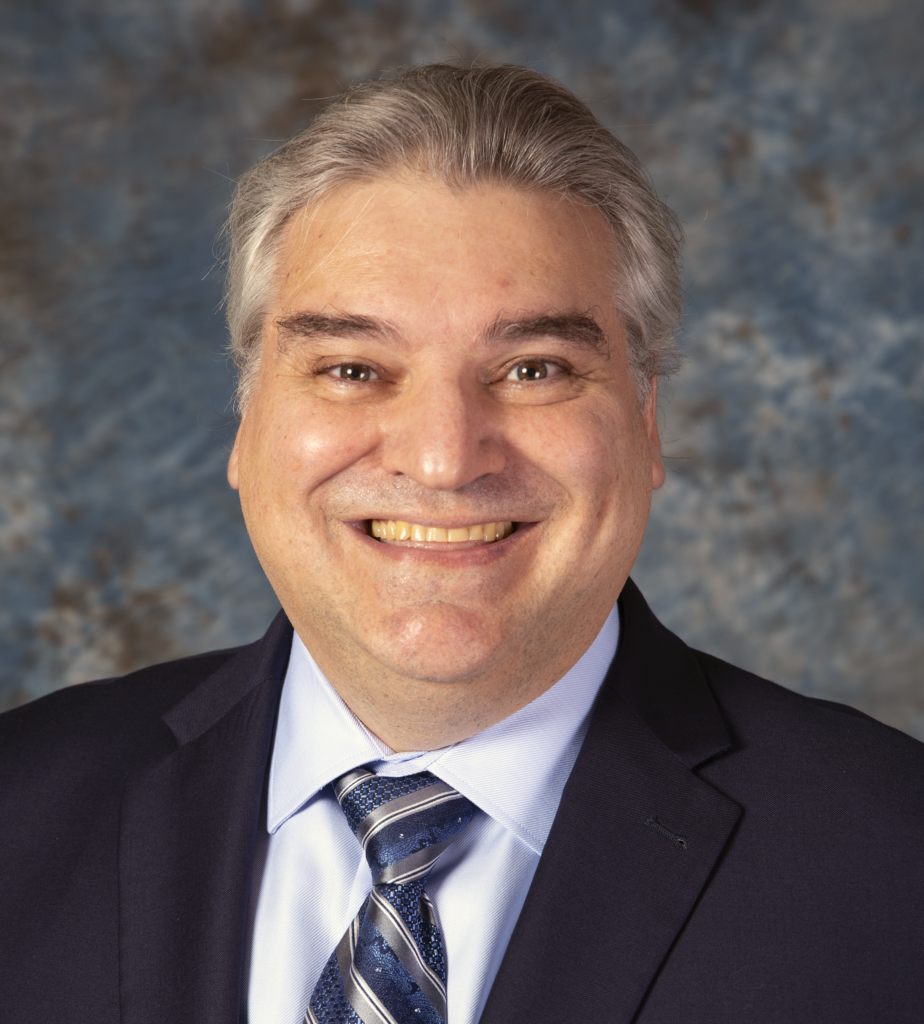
x=404, y=823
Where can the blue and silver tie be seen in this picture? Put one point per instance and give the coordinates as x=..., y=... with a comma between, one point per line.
x=390, y=967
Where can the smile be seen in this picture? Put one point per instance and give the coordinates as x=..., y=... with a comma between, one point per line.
x=397, y=529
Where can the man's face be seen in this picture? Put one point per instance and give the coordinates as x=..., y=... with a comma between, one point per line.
x=446, y=360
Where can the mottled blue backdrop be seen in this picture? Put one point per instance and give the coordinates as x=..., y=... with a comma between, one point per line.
x=789, y=136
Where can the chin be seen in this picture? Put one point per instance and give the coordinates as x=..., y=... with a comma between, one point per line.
x=446, y=646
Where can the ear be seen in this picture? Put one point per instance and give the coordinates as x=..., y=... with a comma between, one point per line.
x=651, y=429
x=233, y=463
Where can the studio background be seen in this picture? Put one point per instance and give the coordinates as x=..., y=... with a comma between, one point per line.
x=789, y=136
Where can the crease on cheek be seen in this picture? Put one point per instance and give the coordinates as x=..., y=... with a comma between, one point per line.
x=573, y=461
x=322, y=441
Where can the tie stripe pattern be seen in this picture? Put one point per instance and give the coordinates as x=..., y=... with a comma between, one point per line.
x=390, y=966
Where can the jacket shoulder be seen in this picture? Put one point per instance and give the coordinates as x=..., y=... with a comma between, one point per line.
x=99, y=723
x=771, y=724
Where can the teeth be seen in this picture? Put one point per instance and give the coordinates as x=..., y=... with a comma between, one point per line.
x=397, y=529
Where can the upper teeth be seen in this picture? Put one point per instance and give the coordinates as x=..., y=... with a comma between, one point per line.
x=397, y=529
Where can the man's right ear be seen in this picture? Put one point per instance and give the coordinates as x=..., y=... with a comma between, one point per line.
x=232, y=463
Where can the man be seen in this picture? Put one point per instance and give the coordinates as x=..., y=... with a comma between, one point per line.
x=450, y=299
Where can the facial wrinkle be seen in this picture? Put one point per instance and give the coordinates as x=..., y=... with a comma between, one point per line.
x=516, y=495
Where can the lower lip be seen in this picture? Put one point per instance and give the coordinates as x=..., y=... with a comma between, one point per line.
x=457, y=553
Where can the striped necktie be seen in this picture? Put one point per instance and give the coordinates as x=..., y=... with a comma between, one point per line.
x=390, y=967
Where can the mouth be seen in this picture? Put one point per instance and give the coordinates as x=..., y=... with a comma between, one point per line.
x=397, y=530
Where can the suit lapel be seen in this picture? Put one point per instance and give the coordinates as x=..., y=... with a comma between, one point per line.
x=635, y=840
x=188, y=831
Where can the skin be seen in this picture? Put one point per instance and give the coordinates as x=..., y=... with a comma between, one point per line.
x=429, y=643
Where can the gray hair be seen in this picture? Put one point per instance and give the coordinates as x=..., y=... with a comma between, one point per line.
x=498, y=123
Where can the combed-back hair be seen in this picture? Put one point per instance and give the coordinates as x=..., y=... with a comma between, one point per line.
x=499, y=124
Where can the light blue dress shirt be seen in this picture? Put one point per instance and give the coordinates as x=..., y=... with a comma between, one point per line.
x=311, y=876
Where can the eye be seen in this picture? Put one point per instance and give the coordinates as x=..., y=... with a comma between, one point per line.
x=533, y=369
x=357, y=373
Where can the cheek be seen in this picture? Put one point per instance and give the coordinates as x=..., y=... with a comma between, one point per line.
x=583, y=455
x=307, y=444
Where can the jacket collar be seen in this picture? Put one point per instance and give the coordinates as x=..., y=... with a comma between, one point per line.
x=636, y=838
x=188, y=833
x=659, y=678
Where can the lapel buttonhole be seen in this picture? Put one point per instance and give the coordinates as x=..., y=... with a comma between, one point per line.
x=677, y=840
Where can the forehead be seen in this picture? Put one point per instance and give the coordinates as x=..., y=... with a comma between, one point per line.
x=403, y=240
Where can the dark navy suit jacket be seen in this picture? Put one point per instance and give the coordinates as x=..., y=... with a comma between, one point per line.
x=725, y=850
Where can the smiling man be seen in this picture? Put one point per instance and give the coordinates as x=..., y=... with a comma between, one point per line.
x=444, y=464
x=466, y=776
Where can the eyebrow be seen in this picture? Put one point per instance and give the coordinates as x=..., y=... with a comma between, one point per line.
x=579, y=329
x=344, y=325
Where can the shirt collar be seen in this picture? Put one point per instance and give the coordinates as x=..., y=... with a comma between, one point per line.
x=514, y=770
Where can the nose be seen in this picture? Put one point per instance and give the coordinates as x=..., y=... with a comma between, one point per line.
x=443, y=434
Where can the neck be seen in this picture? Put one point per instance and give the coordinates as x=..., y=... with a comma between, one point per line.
x=409, y=714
